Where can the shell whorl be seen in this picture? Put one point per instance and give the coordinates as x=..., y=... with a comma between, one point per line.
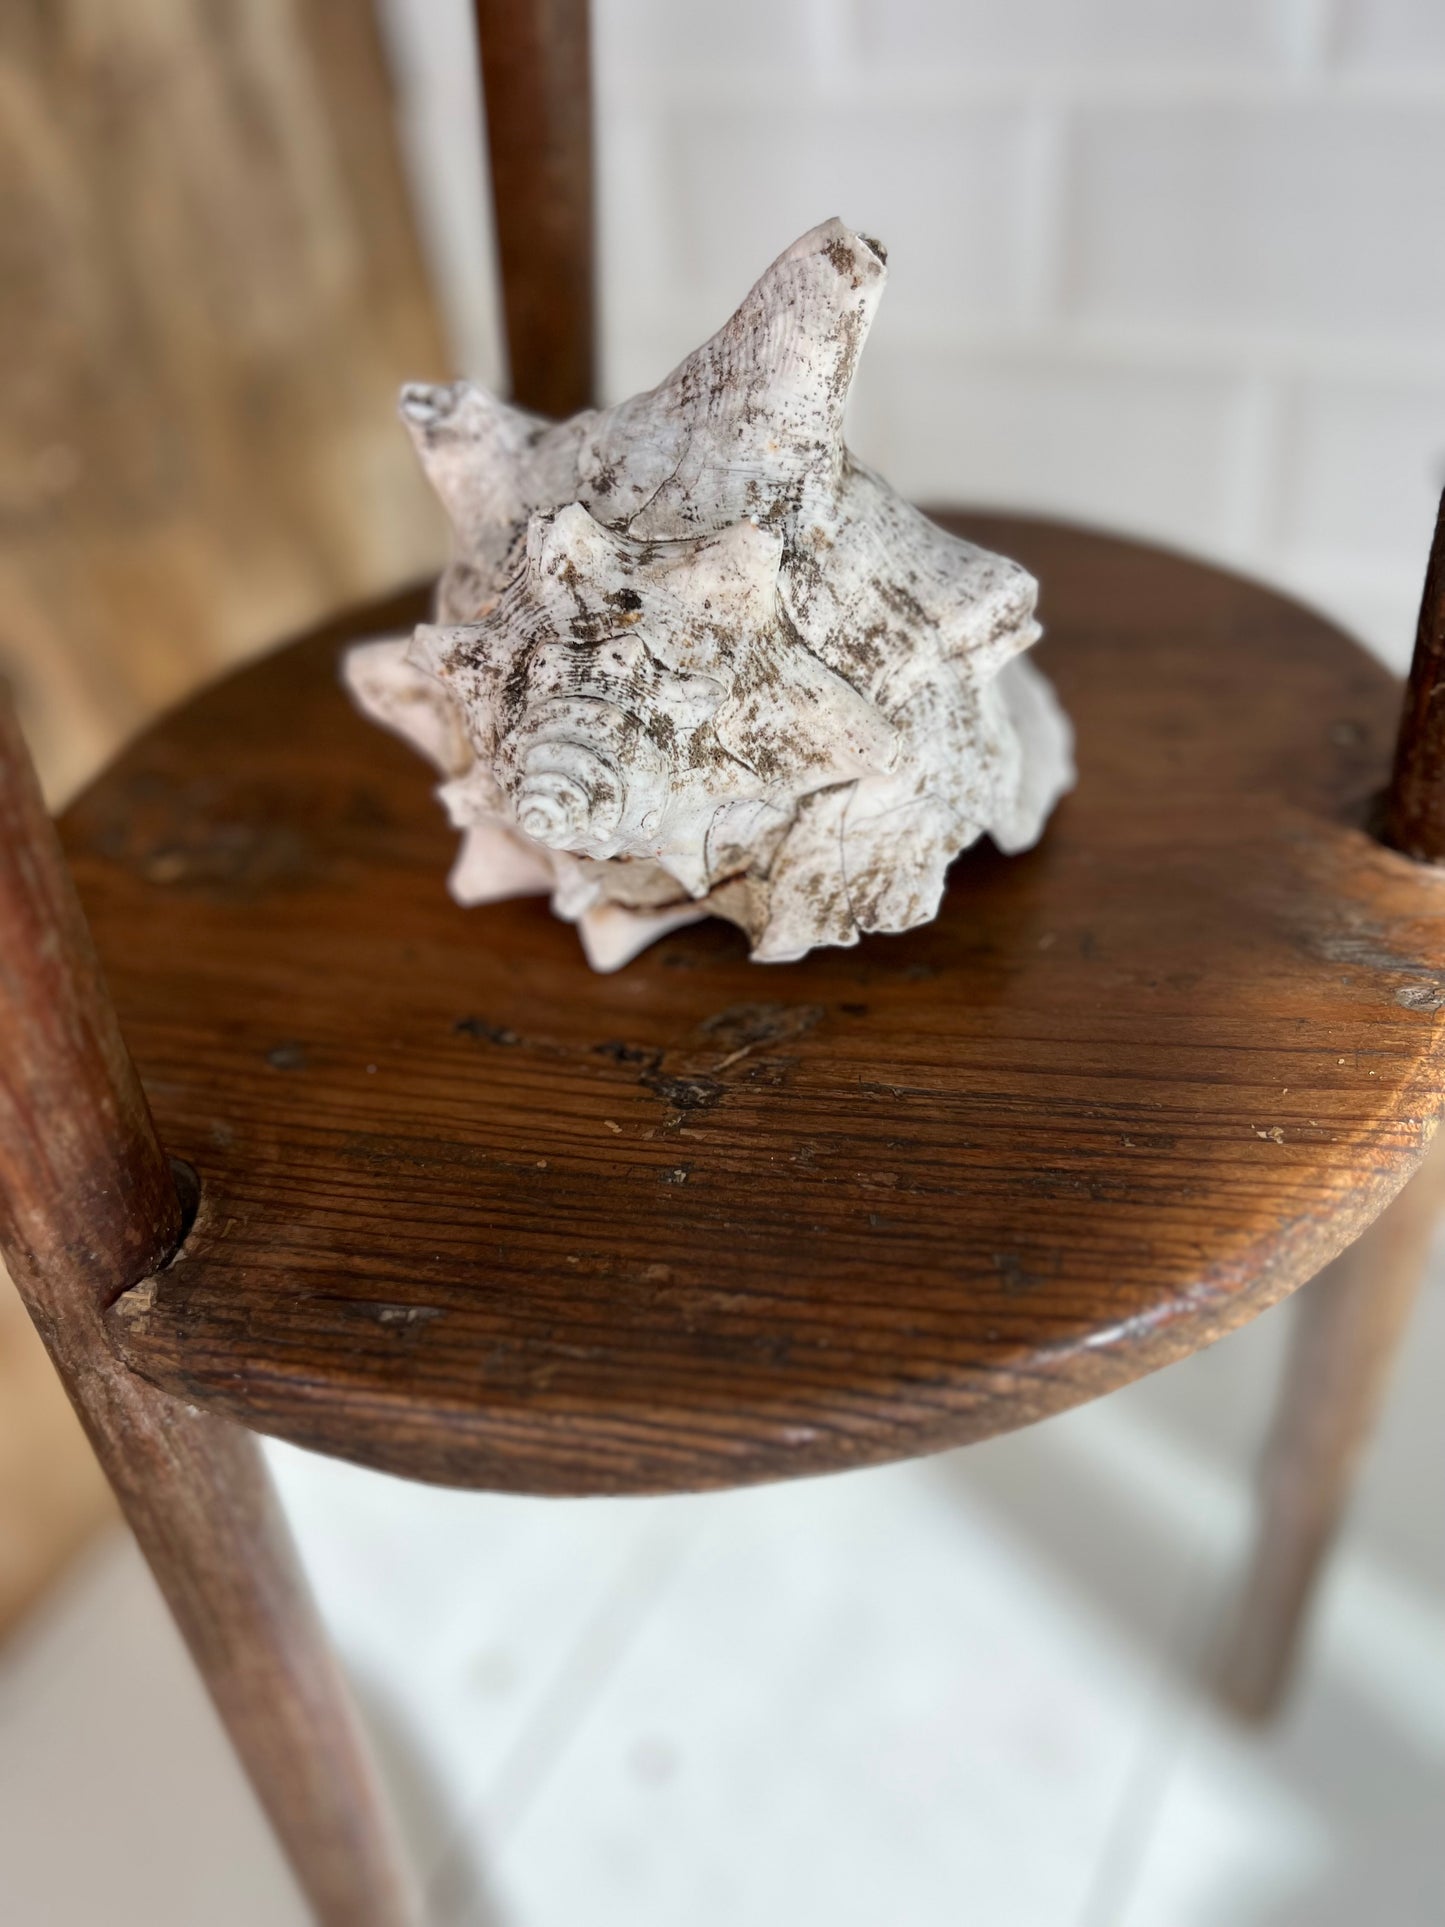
x=690, y=656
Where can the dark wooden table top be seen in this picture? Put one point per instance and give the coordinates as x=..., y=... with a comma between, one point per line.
x=471, y=1213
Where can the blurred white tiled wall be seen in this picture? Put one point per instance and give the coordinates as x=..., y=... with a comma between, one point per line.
x=1175, y=266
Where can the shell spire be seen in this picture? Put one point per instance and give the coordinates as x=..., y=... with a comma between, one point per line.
x=754, y=416
x=692, y=658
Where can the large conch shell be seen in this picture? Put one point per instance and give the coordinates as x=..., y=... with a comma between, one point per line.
x=692, y=658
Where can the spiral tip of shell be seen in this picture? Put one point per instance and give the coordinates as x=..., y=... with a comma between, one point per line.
x=552, y=809
x=423, y=404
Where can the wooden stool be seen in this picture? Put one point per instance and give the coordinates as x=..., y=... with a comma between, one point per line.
x=459, y=1209
x=447, y=1204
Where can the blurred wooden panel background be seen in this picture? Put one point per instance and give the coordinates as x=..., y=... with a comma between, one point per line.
x=210, y=290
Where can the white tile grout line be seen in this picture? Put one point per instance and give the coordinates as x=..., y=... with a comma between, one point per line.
x=833, y=38
x=1307, y=31
x=1044, y=197
x=728, y=93
x=1389, y=362
x=575, y=1689
x=1253, y=493
x=1176, y=1707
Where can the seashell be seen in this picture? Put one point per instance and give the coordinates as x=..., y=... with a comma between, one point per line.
x=692, y=658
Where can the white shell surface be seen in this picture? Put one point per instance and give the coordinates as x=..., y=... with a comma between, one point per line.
x=692, y=658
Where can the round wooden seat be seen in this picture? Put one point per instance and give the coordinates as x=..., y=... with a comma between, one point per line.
x=471, y=1213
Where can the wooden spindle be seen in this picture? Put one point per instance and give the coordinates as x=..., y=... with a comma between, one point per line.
x=89, y=1207
x=536, y=78
x=85, y=1189
x=1348, y=1326
x=1414, y=819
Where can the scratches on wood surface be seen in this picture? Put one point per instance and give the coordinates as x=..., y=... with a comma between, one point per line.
x=703, y=1222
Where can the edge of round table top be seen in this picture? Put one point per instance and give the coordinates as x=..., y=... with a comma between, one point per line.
x=469, y=1213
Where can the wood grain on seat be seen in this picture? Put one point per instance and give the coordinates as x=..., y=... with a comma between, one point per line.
x=473, y=1214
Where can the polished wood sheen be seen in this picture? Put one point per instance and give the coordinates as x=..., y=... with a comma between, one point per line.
x=471, y=1213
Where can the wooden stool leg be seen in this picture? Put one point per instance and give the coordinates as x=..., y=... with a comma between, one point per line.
x=197, y=1495
x=88, y=1207
x=1349, y=1322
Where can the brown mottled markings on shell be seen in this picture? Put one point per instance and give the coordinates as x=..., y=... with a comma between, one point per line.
x=710, y=407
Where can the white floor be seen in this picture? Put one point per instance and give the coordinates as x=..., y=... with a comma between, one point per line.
x=954, y=1694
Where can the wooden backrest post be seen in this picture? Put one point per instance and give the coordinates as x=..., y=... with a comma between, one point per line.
x=536, y=81
x=87, y=1199
x=1415, y=803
